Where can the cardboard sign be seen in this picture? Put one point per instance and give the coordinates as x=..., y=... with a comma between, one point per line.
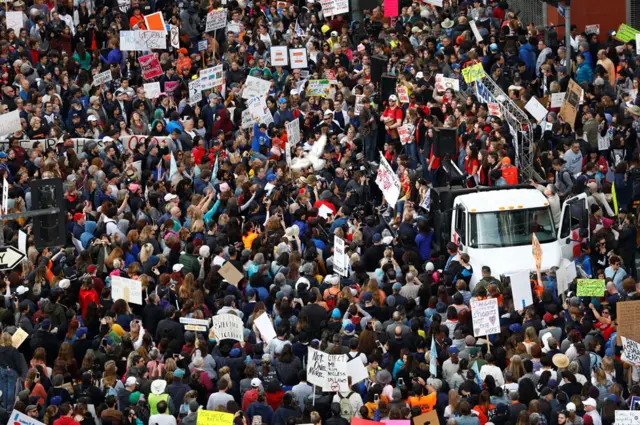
x=317, y=367
x=537, y=250
x=229, y=272
x=435, y=2
x=318, y=88
x=102, y=78
x=571, y=103
x=259, y=110
x=152, y=90
x=494, y=109
x=298, y=58
x=429, y=418
x=473, y=73
x=388, y=181
x=155, y=22
x=216, y=19
x=625, y=33
x=591, y=287
x=150, y=66
x=628, y=320
x=279, y=56
x=265, y=327
x=228, y=326
x=202, y=45
x=10, y=122
x=208, y=417
x=18, y=338
x=337, y=379
x=485, y=317
x=126, y=289
x=255, y=87
x=196, y=322
x=340, y=7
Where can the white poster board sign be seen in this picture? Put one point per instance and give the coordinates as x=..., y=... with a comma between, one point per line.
x=228, y=326
x=22, y=419
x=142, y=41
x=195, y=91
x=152, y=90
x=388, y=182
x=627, y=417
x=521, y=290
x=485, y=317
x=536, y=109
x=14, y=20
x=298, y=58
x=10, y=122
x=337, y=378
x=339, y=260
x=630, y=351
x=259, y=110
x=216, y=19
x=211, y=77
x=476, y=33
x=126, y=289
x=317, y=367
x=102, y=78
x=357, y=371
x=279, y=56
x=293, y=132
x=265, y=327
x=255, y=87
x=557, y=99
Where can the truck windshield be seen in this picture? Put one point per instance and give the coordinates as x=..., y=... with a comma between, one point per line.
x=498, y=229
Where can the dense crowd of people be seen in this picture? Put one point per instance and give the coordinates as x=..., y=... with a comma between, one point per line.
x=201, y=187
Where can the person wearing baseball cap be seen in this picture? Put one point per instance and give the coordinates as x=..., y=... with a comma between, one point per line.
x=392, y=118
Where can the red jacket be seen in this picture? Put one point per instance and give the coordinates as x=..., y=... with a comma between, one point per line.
x=66, y=420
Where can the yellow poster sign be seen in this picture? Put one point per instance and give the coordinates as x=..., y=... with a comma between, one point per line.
x=626, y=34
x=208, y=417
x=473, y=73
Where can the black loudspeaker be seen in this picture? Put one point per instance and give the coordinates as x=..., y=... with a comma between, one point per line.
x=388, y=86
x=378, y=67
x=445, y=142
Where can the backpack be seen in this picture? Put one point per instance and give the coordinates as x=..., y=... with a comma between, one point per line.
x=346, y=411
x=595, y=360
x=571, y=176
x=332, y=300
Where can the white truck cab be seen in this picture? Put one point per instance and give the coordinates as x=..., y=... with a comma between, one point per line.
x=495, y=228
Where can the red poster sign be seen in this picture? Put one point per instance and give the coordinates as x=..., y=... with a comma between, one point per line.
x=150, y=66
x=390, y=8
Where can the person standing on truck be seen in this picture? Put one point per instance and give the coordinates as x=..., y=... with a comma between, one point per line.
x=551, y=193
x=573, y=159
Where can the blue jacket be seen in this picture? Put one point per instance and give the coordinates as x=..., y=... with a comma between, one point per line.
x=260, y=409
x=528, y=56
x=259, y=138
x=280, y=117
x=584, y=73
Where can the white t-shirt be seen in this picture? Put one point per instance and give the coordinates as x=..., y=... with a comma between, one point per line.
x=163, y=419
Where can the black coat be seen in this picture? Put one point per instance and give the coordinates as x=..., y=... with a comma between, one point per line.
x=171, y=329
x=152, y=315
x=48, y=341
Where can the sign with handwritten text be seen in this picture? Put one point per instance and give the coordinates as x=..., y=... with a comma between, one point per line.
x=485, y=317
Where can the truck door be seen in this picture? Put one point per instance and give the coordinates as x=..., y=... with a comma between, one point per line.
x=459, y=226
x=574, y=226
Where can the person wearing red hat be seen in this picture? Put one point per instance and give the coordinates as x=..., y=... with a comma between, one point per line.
x=78, y=225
